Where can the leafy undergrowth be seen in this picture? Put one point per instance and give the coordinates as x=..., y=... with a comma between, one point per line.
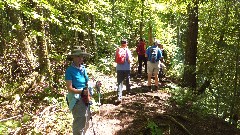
x=141, y=113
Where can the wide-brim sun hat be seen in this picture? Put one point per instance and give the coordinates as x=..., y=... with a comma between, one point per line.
x=78, y=51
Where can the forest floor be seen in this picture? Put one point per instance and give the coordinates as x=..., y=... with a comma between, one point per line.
x=140, y=113
x=152, y=113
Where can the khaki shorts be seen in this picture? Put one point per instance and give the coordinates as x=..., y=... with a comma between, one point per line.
x=152, y=67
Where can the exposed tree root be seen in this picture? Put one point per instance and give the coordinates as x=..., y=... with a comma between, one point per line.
x=176, y=122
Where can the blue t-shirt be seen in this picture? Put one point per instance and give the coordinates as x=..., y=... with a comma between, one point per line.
x=76, y=75
x=159, y=53
x=79, y=77
x=126, y=64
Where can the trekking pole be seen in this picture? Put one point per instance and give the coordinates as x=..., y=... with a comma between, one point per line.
x=92, y=123
x=90, y=117
x=86, y=115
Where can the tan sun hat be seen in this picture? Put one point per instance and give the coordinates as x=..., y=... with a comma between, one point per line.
x=78, y=51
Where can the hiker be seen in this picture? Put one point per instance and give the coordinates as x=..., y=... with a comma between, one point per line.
x=162, y=70
x=153, y=55
x=123, y=58
x=141, y=50
x=76, y=82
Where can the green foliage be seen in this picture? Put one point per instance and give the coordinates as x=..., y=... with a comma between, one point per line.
x=176, y=65
x=25, y=118
x=10, y=124
x=182, y=95
x=203, y=104
x=155, y=130
x=99, y=26
x=51, y=100
x=10, y=89
x=106, y=66
x=1, y=5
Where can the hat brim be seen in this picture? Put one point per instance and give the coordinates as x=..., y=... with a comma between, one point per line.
x=79, y=54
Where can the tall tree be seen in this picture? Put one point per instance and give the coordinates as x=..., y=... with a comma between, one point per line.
x=2, y=43
x=43, y=60
x=234, y=109
x=142, y=18
x=189, y=78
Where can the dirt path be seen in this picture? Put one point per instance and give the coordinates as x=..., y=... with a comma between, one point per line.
x=132, y=115
x=141, y=113
x=147, y=113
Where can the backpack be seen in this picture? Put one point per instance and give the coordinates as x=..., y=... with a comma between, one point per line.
x=121, y=55
x=141, y=48
x=153, y=54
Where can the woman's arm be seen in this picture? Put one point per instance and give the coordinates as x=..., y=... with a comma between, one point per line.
x=71, y=89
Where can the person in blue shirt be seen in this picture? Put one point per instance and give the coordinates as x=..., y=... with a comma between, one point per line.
x=76, y=80
x=153, y=55
x=123, y=70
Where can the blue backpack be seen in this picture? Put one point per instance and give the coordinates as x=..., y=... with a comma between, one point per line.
x=153, y=54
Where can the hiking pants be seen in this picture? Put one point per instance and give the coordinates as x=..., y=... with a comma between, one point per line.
x=121, y=75
x=81, y=116
x=141, y=59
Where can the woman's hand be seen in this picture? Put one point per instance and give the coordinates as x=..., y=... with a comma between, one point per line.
x=85, y=91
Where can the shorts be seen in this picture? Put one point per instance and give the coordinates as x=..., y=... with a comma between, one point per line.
x=153, y=67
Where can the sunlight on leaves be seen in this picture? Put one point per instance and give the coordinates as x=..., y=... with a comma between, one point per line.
x=14, y=3
x=1, y=5
x=16, y=27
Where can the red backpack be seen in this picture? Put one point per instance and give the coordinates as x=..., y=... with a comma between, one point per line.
x=121, y=55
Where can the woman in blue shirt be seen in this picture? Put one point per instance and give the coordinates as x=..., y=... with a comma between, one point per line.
x=76, y=80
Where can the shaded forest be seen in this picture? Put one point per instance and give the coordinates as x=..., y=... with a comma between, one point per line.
x=201, y=38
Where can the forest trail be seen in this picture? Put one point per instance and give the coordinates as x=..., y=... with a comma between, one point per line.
x=132, y=115
x=140, y=113
x=147, y=113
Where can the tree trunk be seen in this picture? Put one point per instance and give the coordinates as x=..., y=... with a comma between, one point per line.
x=142, y=19
x=2, y=41
x=92, y=38
x=113, y=30
x=233, y=110
x=150, y=37
x=43, y=60
x=189, y=78
x=79, y=36
x=23, y=47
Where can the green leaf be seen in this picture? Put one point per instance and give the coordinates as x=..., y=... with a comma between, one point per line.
x=1, y=5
